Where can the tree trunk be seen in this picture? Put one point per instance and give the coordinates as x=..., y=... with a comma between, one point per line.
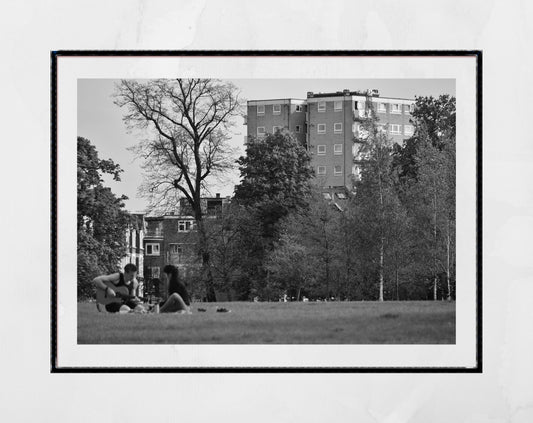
x=448, y=260
x=327, y=275
x=382, y=245
x=207, y=275
x=381, y=253
x=435, y=288
x=326, y=258
x=435, y=243
x=397, y=280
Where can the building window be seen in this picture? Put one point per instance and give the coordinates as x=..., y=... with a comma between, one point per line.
x=321, y=170
x=337, y=105
x=155, y=229
x=154, y=272
x=395, y=129
x=276, y=109
x=408, y=129
x=337, y=128
x=337, y=170
x=185, y=225
x=260, y=131
x=275, y=129
x=176, y=248
x=261, y=109
x=395, y=108
x=337, y=149
x=298, y=128
x=411, y=108
x=321, y=150
x=298, y=108
x=381, y=128
x=321, y=127
x=321, y=106
x=382, y=108
x=152, y=249
x=407, y=108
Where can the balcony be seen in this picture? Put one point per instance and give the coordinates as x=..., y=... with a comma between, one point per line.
x=360, y=154
x=361, y=158
x=361, y=114
x=360, y=135
x=156, y=233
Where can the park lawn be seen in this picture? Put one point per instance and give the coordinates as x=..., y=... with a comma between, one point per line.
x=405, y=322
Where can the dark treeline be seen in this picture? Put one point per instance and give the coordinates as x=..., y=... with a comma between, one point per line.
x=393, y=238
x=101, y=218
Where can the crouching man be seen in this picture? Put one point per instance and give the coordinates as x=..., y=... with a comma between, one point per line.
x=119, y=290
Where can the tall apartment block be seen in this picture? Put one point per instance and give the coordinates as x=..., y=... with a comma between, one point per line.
x=330, y=126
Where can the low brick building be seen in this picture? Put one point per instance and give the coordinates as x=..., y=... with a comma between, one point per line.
x=172, y=239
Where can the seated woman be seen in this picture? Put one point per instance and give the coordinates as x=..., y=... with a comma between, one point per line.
x=178, y=300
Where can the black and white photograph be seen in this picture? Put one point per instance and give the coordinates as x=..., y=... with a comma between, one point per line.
x=266, y=211
x=285, y=214
x=345, y=198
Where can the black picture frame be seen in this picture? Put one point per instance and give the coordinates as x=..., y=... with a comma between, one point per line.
x=55, y=55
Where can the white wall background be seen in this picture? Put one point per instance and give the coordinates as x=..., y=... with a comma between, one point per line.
x=29, y=30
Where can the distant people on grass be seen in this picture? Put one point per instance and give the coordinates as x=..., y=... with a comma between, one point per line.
x=123, y=287
x=178, y=300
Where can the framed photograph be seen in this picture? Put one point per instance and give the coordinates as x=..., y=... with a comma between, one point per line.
x=266, y=211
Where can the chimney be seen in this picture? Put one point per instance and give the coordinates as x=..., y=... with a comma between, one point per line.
x=346, y=92
x=310, y=94
x=217, y=195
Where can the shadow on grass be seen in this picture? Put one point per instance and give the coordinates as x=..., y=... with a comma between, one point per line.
x=389, y=316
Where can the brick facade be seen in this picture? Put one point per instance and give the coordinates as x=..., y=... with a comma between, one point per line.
x=331, y=122
x=172, y=239
x=283, y=114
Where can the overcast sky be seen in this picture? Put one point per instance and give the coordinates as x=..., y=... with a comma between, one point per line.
x=100, y=121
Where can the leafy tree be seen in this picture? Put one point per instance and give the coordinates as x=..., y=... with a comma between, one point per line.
x=275, y=177
x=426, y=168
x=313, y=234
x=435, y=201
x=291, y=266
x=229, y=235
x=376, y=205
x=275, y=181
x=188, y=122
x=102, y=220
x=434, y=120
x=346, y=271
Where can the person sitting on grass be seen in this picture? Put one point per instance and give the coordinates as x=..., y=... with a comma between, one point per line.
x=127, y=279
x=178, y=300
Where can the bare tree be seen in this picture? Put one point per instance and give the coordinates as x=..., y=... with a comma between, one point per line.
x=188, y=122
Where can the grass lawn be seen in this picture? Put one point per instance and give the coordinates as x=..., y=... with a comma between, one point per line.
x=416, y=322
